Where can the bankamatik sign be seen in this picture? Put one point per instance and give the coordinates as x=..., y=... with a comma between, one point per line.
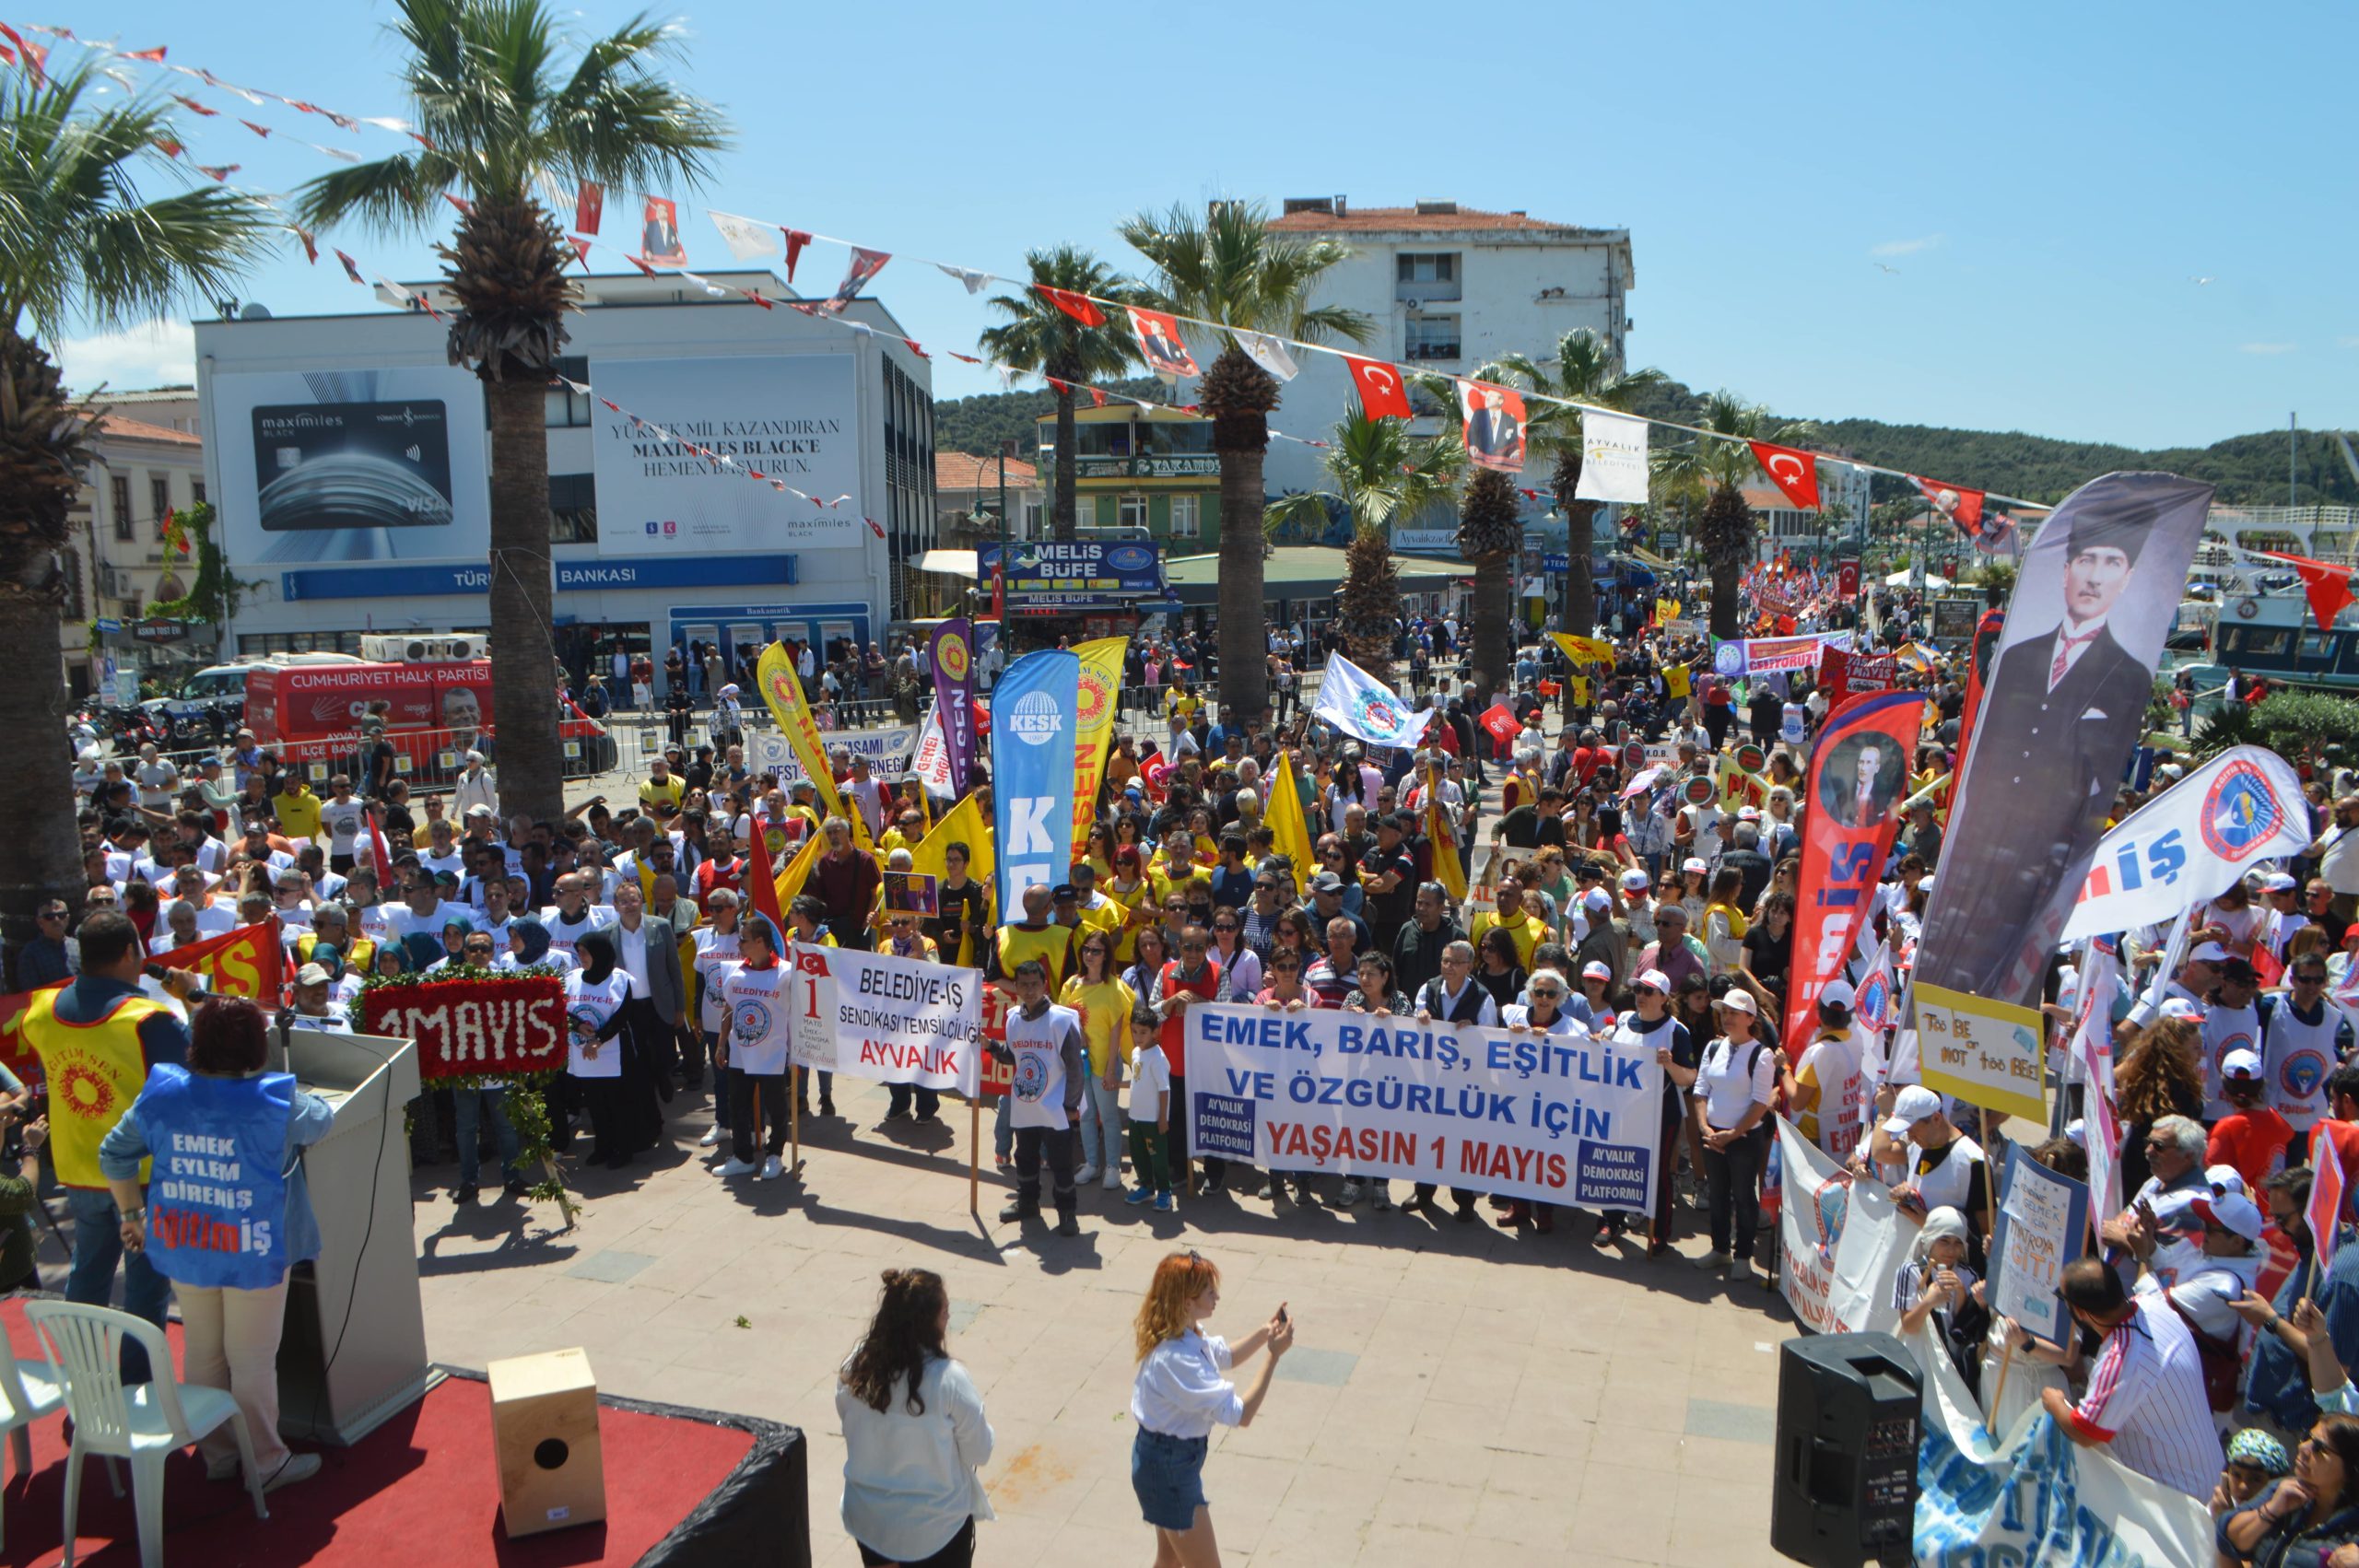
x=1557, y=1118
x=892, y=1020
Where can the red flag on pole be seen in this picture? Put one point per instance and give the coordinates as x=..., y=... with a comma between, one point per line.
x=2324, y=1215
x=1080, y=307
x=1381, y=394
x=1961, y=506
x=589, y=206
x=1795, y=473
x=377, y=855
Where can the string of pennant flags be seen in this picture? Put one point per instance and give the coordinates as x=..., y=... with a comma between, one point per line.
x=1381, y=385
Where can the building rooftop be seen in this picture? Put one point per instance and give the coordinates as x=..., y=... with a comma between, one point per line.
x=118, y=429
x=964, y=470
x=1325, y=215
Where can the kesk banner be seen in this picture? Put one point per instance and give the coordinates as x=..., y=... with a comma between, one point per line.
x=1032, y=782
x=1613, y=458
x=2191, y=841
x=1842, y=1243
x=1859, y=769
x=2062, y=709
x=1987, y=1053
x=1585, y=649
x=2036, y=1496
x=892, y=1020
x=951, y=654
x=1558, y=1118
x=783, y=689
x=1102, y=686
x=1358, y=704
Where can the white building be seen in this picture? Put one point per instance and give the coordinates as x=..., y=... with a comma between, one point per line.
x=349, y=465
x=1450, y=289
x=117, y=563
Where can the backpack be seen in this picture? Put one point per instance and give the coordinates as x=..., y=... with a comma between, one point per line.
x=2223, y=1359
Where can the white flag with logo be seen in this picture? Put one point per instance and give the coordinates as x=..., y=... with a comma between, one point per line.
x=2189, y=842
x=1358, y=704
x=1613, y=458
x=932, y=763
x=745, y=238
x=1270, y=354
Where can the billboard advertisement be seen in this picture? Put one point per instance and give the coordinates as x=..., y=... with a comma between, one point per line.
x=790, y=418
x=331, y=466
x=1044, y=578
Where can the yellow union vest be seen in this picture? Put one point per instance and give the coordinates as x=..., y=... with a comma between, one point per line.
x=1050, y=944
x=360, y=959
x=95, y=1070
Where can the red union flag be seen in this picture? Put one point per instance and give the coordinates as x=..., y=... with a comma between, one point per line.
x=1795, y=473
x=1381, y=395
x=1859, y=771
x=1501, y=721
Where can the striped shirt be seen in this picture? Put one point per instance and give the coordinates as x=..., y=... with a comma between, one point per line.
x=2147, y=1404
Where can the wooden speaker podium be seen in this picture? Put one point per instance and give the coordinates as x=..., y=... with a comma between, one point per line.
x=354, y=1351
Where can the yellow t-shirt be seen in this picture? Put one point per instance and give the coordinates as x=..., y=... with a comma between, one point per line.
x=299, y=816
x=1143, y=896
x=1524, y=929
x=668, y=792
x=1104, y=1010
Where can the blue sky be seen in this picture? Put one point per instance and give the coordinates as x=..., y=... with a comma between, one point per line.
x=2047, y=181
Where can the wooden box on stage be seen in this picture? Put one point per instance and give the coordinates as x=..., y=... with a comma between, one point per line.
x=545, y=1434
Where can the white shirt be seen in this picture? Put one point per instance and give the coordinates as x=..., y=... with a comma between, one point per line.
x=2146, y=1399
x=1150, y=1081
x=631, y=952
x=1729, y=1085
x=587, y=1008
x=344, y=820
x=910, y=1480
x=715, y=951
x=2073, y=641
x=1181, y=1392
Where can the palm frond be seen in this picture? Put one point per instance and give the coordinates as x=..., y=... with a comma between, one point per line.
x=392, y=196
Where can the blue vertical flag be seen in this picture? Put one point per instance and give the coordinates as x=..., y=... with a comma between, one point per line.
x=1034, y=710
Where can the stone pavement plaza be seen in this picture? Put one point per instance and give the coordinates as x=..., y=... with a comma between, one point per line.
x=1457, y=1394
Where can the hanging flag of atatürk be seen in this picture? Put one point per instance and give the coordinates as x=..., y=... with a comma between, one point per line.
x=1381, y=395
x=1080, y=307
x=352, y=269
x=1493, y=424
x=865, y=264
x=1795, y=473
x=1963, y=507
x=659, y=238
x=589, y=206
x=1159, y=342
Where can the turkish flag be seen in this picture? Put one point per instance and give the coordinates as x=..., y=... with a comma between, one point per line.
x=795, y=240
x=1955, y=502
x=1795, y=473
x=1079, y=306
x=2327, y=585
x=589, y=206
x=1381, y=395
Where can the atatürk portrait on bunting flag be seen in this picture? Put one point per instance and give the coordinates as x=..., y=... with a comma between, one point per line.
x=2064, y=706
x=1493, y=424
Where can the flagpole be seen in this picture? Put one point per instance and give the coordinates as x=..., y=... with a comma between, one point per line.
x=975, y=1156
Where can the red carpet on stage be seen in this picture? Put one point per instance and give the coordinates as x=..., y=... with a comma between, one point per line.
x=420, y=1492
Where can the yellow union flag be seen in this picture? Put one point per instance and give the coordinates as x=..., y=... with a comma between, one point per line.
x=1100, y=689
x=1289, y=832
x=962, y=823
x=1585, y=649
x=783, y=689
x=1442, y=833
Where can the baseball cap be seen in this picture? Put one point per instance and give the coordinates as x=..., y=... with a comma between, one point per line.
x=1653, y=980
x=2210, y=953
x=1839, y=993
x=1694, y=863
x=2226, y=1179
x=1738, y=1000
x=1636, y=880
x=1064, y=890
x=2180, y=1007
x=1596, y=969
x=1748, y=813
x=1326, y=882
x=1912, y=1106
x=1597, y=898
x=2278, y=882
x=2244, y=1065
x=311, y=974
x=2232, y=1211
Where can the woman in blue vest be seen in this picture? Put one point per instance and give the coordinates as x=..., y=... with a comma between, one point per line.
x=227, y=1212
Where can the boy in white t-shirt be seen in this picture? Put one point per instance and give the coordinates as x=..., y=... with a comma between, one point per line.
x=1151, y=1126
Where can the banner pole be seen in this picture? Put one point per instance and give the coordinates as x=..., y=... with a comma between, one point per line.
x=975, y=1156
x=2006, y=1361
x=794, y=1125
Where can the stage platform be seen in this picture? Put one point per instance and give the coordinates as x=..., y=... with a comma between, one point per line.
x=685, y=1488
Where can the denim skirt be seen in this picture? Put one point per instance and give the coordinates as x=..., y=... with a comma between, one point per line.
x=1168, y=1473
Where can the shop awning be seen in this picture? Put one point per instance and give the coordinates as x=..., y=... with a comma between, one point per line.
x=950, y=563
x=1302, y=571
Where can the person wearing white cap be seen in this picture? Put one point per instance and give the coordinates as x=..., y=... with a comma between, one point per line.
x=1649, y=1026
x=1825, y=1088
x=1603, y=940
x=474, y=786
x=2227, y=1258
x=1636, y=905
x=313, y=1008
x=1943, y=1168
x=2252, y=1138
x=1733, y=1085
x=1597, y=987
x=2232, y=1022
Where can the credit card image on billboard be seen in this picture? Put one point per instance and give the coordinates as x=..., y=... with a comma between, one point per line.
x=353, y=466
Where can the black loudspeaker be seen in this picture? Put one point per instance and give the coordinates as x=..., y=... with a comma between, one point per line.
x=1849, y=1414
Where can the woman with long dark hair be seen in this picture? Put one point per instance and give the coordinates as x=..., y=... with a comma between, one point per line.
x=2157, y=1076
x=2303, y=1520
x=914, y=1431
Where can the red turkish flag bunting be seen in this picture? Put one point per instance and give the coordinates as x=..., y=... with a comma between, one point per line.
x=311, y=242
x=352, y=269
x=589, y=208
x=1097, y=397
x=1079, y=306
x=164, y=145
x=219, y=171
x=1961, y=506
x=262, y=131
x=1795, y=473
x=153, y=56
x=466, y=208
x=580, y=250
x=193, y=106
x=2327, y=585
x=1381, y=395
x=795, y=240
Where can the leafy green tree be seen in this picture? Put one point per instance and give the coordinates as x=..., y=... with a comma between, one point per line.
x=83, y=244
x=1588, y=372
x=1380, y=474
x=1040, y=337
x=1226, y=265
x=1705, y=478
x=502, y=111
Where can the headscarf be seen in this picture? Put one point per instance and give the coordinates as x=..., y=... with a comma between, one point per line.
x=535, y=937
x=1942, y=1221
x=2255, y=1447
x=596, y=951
x=329, y=956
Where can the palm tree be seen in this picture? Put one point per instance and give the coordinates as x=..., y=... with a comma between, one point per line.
x=1490, y=535
x=80, y=246
x=1380, y=474
x=1040, y=336
x=1587, y=372
x=501, y=113
x=1228, y=266
x=1705, y=480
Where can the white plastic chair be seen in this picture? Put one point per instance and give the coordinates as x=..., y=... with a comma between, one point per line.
x=145, y=1424
x=28, y=1392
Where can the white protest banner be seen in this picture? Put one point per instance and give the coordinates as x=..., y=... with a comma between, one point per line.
x=931, y=762
x=2189, y=842
x=2042, y=1217
x=2092, y=1049
x=1771, y=655
x=1842, y=1241
x=1613, y=458
x=1559, y=1118
x=888, y=751
x=1358, y=704
x=2036, y=1496
x=891, y=1020
x=1987, y=1053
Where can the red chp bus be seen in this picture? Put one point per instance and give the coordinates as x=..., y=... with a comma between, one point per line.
x=434, y=711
